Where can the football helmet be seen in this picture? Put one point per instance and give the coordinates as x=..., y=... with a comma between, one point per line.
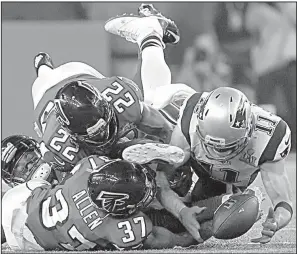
x=21, y=161
x=86, y=115
x=225, y=123
x=121, y=188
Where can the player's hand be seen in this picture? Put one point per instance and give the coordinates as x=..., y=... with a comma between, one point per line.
x=188, y=219
x=269, y=228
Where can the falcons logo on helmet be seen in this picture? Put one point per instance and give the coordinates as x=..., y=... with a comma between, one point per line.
x=61, y=114
x=8, y=152
x=112, y=200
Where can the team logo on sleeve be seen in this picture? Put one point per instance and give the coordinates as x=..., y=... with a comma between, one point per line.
x=284, y=153
x=112, y=200
x=287, y=149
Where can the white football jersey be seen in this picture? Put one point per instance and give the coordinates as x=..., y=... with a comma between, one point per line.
x=270, y=141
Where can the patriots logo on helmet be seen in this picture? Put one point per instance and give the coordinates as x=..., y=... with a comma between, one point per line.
x=112, y=200
x=240, y=118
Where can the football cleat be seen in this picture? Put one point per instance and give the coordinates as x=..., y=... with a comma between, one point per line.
x=134, y=28
x=42, y=59
x=171, y=32
x=153, y=152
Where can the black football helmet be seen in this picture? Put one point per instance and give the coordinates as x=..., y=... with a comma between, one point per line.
x=121, y=188
x=86, y=115
x=181, y=180
x=21, y=160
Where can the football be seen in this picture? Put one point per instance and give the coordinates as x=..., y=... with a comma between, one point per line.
x=236, y=216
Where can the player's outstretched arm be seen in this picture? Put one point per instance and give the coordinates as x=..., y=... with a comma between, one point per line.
x=171, y=202
x=276, y=182
x=277, y=186
x=161, y=238
x=154, y=123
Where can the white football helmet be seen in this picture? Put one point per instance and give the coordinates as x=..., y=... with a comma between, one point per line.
x=224, y=123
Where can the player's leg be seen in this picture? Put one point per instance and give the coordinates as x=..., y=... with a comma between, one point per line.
x=151, y=60
x=151, y=56
x=154, y=62
x=14, y=215
x=149, y=32
x=154, y=76
x=153, y=70
x=48, y=76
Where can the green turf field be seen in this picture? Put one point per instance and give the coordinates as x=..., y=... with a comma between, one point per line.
x=283, y=242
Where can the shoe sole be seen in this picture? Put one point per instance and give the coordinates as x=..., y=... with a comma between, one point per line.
x=149, y=152
x=110, y=23
x=128, y=18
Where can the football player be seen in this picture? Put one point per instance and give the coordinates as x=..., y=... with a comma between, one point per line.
x=98, y=208
x=83, y=124
x=233, y=141
x=116, y=102
x=147, y=30
x=227, y=139
x=127, y=111
x=153, y=75
x=21, y=161
x=62, y=137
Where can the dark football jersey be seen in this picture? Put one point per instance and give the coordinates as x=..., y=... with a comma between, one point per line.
x=64, y=217
x=122, y=93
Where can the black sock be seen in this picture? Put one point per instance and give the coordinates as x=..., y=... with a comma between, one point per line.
x=151, y=41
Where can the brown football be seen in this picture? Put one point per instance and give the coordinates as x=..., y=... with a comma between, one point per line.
x=235, y=217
